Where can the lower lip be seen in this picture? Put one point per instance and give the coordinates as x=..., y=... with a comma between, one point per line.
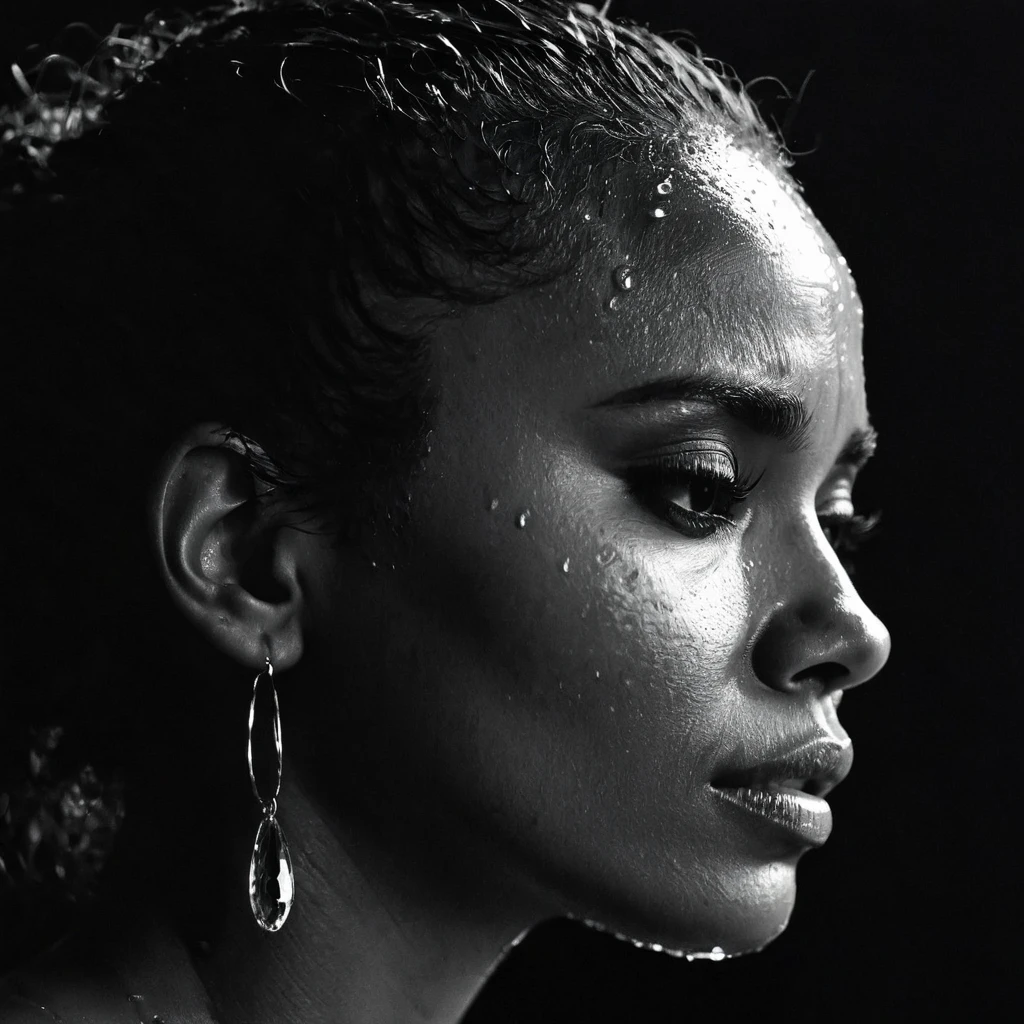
x=808, y=819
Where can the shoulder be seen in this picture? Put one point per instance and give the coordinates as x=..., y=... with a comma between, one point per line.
x=18, y=1009
x=61, y=990
x=94, y=979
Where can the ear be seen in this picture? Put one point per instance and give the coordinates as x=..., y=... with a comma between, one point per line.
x=229, y=562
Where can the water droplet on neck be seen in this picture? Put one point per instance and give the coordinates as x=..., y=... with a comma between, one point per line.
x=623, y=277
x=715, y=953
x=522, y=518
x=664, y=187
x=658, y=213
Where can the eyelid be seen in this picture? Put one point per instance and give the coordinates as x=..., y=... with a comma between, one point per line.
x=703, y=446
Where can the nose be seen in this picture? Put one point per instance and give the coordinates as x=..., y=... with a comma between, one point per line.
x=819, y=632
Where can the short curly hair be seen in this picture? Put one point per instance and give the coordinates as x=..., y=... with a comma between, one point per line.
x=255, y=215
x=382, y=146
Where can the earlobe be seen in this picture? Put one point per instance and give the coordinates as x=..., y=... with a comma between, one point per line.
x=223, y=555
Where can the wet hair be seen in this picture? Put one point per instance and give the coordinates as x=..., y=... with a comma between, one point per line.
x=255, y=215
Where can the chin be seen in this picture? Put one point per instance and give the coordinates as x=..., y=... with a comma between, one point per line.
x=728, y=915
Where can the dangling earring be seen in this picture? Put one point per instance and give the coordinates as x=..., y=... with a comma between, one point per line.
x=271, y=881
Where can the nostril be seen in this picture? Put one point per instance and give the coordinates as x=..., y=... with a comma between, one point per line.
x=829, y=673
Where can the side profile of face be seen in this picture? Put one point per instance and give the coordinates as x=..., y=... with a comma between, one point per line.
x=612, y=643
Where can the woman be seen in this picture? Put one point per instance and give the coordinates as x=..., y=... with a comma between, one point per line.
x=482, y=383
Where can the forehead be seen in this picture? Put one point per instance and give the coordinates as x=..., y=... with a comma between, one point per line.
x=747, y=274
x=713, y=266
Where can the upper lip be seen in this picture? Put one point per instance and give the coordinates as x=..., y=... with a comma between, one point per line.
x=817, y=765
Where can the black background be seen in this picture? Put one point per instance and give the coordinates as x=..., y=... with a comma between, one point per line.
x=913, y=124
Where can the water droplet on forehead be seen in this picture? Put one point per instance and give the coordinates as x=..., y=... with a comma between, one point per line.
x=522, y=518
x=664, y=187
x=623, y=277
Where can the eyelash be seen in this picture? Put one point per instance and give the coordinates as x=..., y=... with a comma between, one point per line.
x=648, y=481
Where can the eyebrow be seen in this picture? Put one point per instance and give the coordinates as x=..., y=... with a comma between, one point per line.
x=766, y=408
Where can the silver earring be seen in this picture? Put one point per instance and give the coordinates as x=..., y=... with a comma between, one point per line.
x=271, y=879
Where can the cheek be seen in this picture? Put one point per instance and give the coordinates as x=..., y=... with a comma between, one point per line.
x=673, y=626
x=587, y=616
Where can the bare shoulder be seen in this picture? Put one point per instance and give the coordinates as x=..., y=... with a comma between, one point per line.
x=63, y=991
x=97, y=978
x=18, y=1009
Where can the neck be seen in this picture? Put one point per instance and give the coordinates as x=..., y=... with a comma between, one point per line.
x=374, y=935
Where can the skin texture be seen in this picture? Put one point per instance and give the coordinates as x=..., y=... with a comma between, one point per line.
x=517, y=710
x=577, y=681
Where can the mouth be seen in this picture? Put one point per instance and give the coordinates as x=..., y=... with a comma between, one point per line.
x=786, y=791
x=814, y=767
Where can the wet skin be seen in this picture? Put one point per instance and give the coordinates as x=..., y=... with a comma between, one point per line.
x=568, y=660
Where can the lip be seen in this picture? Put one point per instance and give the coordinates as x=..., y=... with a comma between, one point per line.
x=785, y=790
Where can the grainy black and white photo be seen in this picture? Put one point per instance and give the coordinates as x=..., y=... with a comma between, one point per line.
x=462, y=461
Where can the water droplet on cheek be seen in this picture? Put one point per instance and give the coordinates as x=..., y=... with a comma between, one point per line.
x=522, y=519
x=623, y=277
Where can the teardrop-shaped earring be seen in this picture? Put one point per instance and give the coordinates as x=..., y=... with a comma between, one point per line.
x=271, y=879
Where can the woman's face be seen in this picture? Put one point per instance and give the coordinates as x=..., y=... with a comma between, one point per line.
x=616, y=614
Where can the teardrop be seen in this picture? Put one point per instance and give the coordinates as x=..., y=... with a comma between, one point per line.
x=271, y=880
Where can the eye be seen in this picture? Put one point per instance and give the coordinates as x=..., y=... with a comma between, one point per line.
x=695, y=491
x=699, y=494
